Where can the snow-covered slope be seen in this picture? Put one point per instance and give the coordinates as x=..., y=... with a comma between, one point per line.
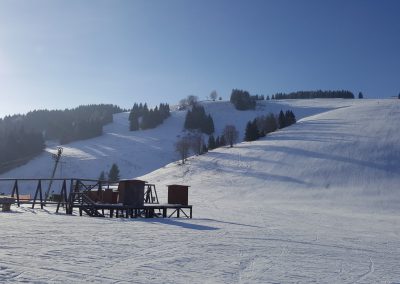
x=340, y=154
x=141, y=152
x=317, y=202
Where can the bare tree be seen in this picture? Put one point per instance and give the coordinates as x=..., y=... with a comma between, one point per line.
x=187, y=102
x=214, y=95
x=183, y=104
x=182, y=146
x=197, y=143
x=192, y=100
x=230, y=134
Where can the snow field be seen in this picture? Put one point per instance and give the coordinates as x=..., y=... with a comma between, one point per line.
x=317, y=202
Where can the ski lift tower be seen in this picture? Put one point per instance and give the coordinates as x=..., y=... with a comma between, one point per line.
x=56, y=157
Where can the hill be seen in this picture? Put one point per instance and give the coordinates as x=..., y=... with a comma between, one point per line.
x=141, y=152
x=317, y=202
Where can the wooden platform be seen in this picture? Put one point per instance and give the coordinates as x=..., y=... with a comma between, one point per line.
x=147, y=211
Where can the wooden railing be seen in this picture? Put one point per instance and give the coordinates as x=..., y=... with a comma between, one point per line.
x=62, y=189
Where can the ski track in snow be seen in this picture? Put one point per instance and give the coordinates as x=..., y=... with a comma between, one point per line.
x=317, y=202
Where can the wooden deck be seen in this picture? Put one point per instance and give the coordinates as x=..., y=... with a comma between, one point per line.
x=92, y=197
x=147, y=211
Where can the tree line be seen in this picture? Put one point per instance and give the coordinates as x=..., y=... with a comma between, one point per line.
x=22, y=136
x=18, y=146
x=342, y=94
x=262, y=125
x=141, y=117
x=242, y=100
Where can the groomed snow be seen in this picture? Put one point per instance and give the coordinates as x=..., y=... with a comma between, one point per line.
x=317, y=202
x=141, y=152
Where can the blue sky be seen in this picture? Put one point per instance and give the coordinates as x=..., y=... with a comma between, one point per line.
x=58, y=54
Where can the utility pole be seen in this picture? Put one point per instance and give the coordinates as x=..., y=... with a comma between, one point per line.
x=56, y=158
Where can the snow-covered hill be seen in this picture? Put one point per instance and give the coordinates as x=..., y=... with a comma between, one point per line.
x=141, y=152
x=317, y=202
x=349, y=155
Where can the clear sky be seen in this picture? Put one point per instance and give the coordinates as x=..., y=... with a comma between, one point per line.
x=58, y=54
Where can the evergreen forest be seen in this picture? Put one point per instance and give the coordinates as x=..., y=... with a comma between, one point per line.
x=22, y=137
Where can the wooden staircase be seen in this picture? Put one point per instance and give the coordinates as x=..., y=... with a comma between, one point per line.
x=84, y=203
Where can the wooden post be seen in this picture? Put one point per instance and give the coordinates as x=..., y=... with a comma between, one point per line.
x=36, y=194
x=40, y=194
x=164, y=212
x=63, y=195
x=16, y=192
x=70, y=199
x=177, y=212
x=190, y=212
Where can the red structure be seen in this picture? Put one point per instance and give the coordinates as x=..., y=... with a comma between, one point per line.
x=178, y=194
x=131, y=192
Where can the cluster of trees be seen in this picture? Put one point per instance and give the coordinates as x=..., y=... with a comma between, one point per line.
x=242, y=100
x=214, y=143
x=191, y=142
x=229, y=137
x=342, y=94
x=261, y=126
x=67, y=125
x=195, y=142
x=188, y=102
x=258, y=97
x=141, y=117
x=197, y=119
x=18, y=146
x=112, y=176
x=22, y=136
x=286, y=119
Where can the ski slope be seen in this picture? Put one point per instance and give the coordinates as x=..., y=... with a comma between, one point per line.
x=317, y=202
x=141, y=152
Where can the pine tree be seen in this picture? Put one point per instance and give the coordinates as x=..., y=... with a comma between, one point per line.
x=102, y=176
x=113, y=175
x=290, y=118
x=134, y=124
x=248, y=133
x=217, y=142
x=211, y=142
x=222, y=141
x=209, y=125
x=271, y=124
x=360, y=95
x=281, y=119
x=251, y=132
